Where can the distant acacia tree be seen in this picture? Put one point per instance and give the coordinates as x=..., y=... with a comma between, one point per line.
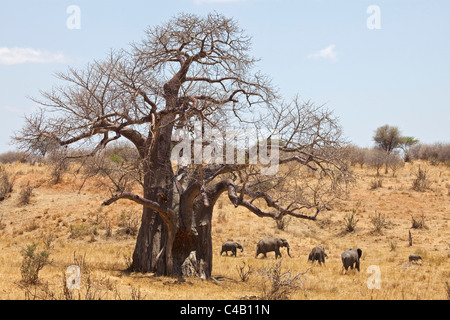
x=405, y=144
x=190, y=70
x=387, y=138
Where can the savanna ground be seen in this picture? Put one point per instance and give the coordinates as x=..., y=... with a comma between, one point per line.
x=101, y=241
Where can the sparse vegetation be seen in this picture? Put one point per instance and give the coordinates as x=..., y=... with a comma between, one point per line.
x=59, y=165
x=418, y=223
x=350, y=221
x=25, y=194
x=447, y=288
x=376, y=183
x=283, y=223
x=244, y=271
x=33, y=262
x=129, y=222
x=61, y=210
x=422, y=182
x=433, y=153
x=6, y=183
x=379, y=222
x=13, y=157
x=281, y=284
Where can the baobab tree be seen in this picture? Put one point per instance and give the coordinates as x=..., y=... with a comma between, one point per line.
x=193, y=71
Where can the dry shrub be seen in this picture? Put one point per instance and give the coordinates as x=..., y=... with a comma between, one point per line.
x=281, y=285
x=33, y=262
x=422, y=182
x=13, y=156
x=394, y=162
x=6, y=183
x=376, y=183
x=2, y=225
x=108, y=228
x=244, y=271
x=447, y=288
x=379, y=222
x=25, y=195
x=129, y=222
x=283, y=223
x=434, y=153
x=376, y=159
x=82, y=230
x=418, y=223
x=59, y=165
x=90, y=288
x=354, y=155
x=350, y=221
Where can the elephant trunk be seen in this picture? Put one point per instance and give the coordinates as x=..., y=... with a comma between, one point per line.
x=288, y=252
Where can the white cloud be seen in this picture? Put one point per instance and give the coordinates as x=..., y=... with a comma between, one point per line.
x=11, y=56
x=11, y=109
x=329, y=53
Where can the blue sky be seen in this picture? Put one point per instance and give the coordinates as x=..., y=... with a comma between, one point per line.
x=322, y=50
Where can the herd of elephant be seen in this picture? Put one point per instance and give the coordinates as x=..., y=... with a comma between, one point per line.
x=350, y=257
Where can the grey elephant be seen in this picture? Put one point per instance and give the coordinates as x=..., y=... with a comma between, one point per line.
x=231, y=246
x=271, y=244
x=317, y=253
x=415, y=258
x=350, y=258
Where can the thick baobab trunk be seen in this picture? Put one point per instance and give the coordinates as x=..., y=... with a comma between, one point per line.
x=148, y=252
x=151, y=244
x=164, y=242
x=191, y=234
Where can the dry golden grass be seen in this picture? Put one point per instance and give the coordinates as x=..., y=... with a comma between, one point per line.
x=78, y=225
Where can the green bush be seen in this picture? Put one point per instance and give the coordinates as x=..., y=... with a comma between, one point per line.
x=33, y=262
x=350, y=221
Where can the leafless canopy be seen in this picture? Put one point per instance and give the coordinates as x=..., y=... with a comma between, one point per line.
x=190, y=69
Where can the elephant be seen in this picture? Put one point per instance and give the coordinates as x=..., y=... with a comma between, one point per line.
x=231, y=246
x=415, y=257
x=351, y=258
x=271, y=244
x=318, y=253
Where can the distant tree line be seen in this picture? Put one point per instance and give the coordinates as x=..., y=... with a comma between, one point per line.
x=390, y=151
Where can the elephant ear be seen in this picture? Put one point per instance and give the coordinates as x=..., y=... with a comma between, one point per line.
x=359, y=252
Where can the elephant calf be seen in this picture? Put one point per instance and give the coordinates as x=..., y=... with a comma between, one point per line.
x=271, y=244
x=350, y=258
x=231, y=246
x=415, y=257
x=318, y=253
